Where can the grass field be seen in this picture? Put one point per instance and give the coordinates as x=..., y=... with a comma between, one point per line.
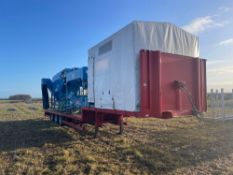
x=30, y=144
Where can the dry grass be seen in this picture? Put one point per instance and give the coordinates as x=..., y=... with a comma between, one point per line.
x=30, y=144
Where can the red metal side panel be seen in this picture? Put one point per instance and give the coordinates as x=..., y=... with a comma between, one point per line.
x=150, y=86
x=203, y=86
x=159, y=94
x=181, y=68
x=145, y=83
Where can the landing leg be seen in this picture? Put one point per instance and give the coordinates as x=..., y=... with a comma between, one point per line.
x=98, y=123
x=121, y=128
x=121, y=123
x=96, y=131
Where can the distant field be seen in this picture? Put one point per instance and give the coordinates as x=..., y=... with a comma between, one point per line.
x=10, y=101
x=16, y=101
x=30, y=144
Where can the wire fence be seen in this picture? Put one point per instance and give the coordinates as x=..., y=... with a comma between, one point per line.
x=220, y=104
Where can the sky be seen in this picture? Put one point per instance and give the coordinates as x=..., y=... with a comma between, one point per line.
x=38, y=38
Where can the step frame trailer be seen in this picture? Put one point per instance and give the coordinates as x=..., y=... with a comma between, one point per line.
x=159, y=96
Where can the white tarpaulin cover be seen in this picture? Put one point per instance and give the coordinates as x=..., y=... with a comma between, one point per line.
x=113, y=64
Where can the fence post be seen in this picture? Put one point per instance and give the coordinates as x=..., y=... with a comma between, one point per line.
x=222, y=102
x=232, y=94
x=212, y=102
x=216, y=102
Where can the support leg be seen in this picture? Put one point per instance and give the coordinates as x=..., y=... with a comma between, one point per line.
x=121, y=128
x=121, y=123
x=96, y=131
x=98, y=123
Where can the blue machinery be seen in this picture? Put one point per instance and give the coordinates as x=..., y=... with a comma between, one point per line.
x=66, y=91
x=65, y=102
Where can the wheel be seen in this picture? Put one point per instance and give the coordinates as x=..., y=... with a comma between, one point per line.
x=59, y=120
x=54, y=118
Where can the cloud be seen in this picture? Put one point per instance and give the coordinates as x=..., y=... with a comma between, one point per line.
x=203, y=23
x=226, y=42
x=221, y=70
x=220, y=77
x=224, y=9
x=214, y=62
x=199, y=24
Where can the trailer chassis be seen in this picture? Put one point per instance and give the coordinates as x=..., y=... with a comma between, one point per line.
x=90, y=115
